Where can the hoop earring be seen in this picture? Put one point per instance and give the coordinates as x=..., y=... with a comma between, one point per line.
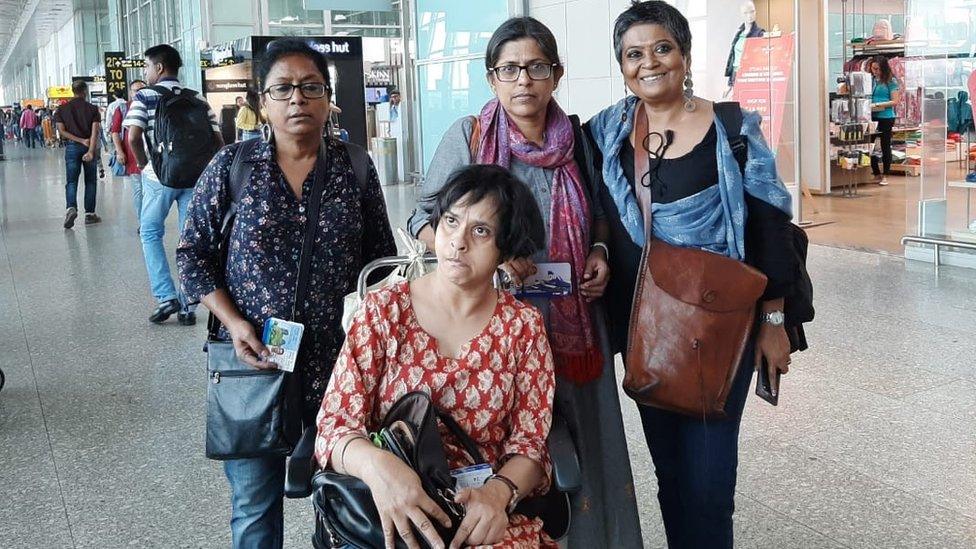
x=689, y=94
x=266, y=134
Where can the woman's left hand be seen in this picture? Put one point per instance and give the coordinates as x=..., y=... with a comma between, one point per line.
x=774, y=345
x=595, y=275
x=485, y=519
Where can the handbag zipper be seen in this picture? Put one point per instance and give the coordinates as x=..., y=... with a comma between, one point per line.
x=215, y=376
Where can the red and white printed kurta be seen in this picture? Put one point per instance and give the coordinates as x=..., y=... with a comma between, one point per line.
x=500, y=390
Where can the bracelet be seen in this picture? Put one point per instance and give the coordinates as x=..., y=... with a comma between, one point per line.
x=342, y=454
x=602, y=245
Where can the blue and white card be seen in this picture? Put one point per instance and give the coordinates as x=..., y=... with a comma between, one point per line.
x=472, y=476
x=551, y=280
x=283, y=338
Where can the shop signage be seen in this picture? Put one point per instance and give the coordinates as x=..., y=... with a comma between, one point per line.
x=236, y=85
x=115, y=72
x=60, y=92
x=763, y=82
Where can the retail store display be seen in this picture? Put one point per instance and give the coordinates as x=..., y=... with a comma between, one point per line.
x=748, y=29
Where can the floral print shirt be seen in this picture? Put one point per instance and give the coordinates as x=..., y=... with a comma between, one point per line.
x=265, y=248
x=500, y=391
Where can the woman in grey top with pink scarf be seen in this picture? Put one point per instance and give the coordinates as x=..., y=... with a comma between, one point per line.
x=524, y=129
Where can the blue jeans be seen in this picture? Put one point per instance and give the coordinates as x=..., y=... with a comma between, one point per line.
x=73, y=165
x=157, y=200
x=256, y=495
x=135, y=181
x=695, y=462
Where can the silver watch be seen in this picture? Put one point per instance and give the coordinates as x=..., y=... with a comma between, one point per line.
x=773, y=318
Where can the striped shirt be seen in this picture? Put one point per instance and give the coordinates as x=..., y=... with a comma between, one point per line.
x=142, y=114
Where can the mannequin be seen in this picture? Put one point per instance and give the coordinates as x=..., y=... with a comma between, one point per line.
x=748, y=29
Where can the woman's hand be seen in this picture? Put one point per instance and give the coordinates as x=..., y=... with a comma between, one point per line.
x=595, y=275
x=519, y=269
x=485, y=518
x=249, y=348
x=402, y=503
x=774, y=345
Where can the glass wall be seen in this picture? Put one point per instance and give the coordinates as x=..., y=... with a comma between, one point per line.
x=451, y=38
x=290, y=18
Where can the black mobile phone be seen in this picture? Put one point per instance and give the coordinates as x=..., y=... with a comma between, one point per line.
x=763, y=390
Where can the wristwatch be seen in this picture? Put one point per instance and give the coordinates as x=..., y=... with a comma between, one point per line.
x=773, y=318
x=511, y=486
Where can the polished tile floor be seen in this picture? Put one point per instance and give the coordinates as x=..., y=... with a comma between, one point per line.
x=101, y=429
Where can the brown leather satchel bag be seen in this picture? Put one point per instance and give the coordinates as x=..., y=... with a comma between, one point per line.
x=692, y=317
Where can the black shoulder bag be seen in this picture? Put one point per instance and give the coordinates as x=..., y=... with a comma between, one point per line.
x=251, y=412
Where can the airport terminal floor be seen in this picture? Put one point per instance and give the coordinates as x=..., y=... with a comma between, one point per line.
x=102, y=417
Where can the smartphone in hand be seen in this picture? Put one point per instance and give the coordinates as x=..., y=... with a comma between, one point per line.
x=763, y=388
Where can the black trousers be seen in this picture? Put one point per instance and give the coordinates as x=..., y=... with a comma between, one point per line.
x=885, y=126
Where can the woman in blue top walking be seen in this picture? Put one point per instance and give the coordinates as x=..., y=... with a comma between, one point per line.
x=885, y=96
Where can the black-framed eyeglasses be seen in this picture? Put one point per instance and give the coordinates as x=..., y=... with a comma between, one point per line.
x=310, y=90
x=511, y=73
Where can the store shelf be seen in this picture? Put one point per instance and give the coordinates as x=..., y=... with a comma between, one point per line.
x=913, y=170
x=961, y=184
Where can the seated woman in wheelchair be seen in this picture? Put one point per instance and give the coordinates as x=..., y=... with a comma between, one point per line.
x=482, y=355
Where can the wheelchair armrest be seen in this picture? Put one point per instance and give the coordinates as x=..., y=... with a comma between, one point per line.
x=300, y=466
x=566, y=475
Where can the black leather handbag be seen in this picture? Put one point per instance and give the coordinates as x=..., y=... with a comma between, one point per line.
x=346, y=515
x=250, y=412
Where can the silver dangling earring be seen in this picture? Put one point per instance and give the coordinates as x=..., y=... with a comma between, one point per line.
x=266, y=134
x=689, y=94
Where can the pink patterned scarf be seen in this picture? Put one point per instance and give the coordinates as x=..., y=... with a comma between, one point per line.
x=575, y=347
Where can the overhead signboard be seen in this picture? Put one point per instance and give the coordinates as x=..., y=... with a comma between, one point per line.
x=115, y=72
x=60, y=92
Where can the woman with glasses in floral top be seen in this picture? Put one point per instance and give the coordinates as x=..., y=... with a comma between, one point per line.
x=264, y=250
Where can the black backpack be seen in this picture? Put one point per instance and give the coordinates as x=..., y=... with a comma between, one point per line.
x=798, y=306
x=183, y=137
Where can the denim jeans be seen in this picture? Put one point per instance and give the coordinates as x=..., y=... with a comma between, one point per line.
x=73, y=165
x=135, y=181
x=256, y=495
x=695, y=462
x=157, y=200
x=29, y=136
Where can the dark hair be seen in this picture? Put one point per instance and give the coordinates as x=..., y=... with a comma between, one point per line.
x=252, y=101
x=652, y=12
x=882, y=61
x=517, y=28
x=520, y=228
x=281, y=47
x=165, y=55
x=79, y=87
x=394, y=92
x=121, y=93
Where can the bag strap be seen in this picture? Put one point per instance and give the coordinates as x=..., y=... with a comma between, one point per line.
x=729, y=113
x=642, y=166
x=474, y=142
x=459, y=434
x=360, y=164
x=322, y=167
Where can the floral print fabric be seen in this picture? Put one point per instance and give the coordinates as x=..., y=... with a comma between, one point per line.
x=265, y=248
x=500, y=390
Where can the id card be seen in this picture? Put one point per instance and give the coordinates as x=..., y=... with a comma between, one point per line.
x=472, y=476
x=551, y=280
x=283, y=339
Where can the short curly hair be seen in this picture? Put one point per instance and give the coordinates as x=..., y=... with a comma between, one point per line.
x=652, y=13
x=521, y=231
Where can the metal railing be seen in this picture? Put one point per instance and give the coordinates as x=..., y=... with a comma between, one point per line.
x=938, y=244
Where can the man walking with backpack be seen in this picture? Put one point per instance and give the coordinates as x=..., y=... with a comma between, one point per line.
x=173, y=134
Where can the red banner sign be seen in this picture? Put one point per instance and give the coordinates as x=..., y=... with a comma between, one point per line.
x=763, y=80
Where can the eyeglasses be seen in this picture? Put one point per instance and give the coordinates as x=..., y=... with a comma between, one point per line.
x=310, y=90
x=511, y=73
